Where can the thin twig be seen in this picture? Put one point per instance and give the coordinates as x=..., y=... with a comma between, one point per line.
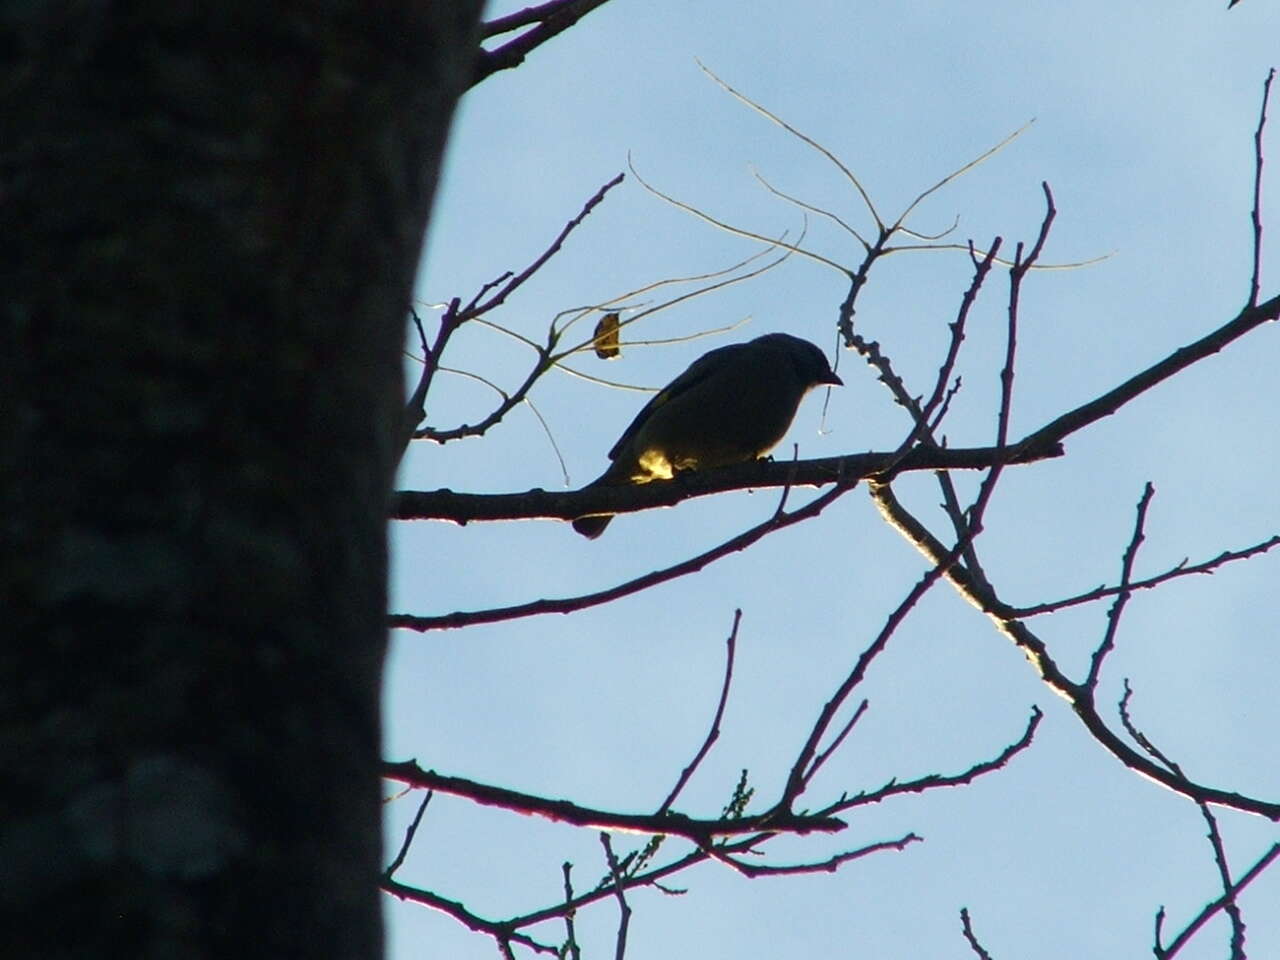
x=650, y=878
x=714, y=733
x=456, y=315
x=820, y=211
x=968, y=524
x=624, y=909
x=802, y=767
x=936, y=781
x=501, y=931
x=571, y=604
x=967, y=928
x=1122, y=598
x=957, y=326
x=962, y=170
x=1256, y=280
x=1183, y=569
x=1229, y=905
x=735, y=231
x=1016, y=276
x=848, y=174
x=548, y=357
x=571, y=936
x=830, y=865
x=518, y=280
x=408, y=837
x=822, y=757
x=1211, y=909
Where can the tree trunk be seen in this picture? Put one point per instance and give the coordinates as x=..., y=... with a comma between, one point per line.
x=212, y=214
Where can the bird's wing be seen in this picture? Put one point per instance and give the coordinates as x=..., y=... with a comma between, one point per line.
x=697, y=372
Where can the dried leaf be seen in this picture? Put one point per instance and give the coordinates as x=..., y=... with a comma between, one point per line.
x=606, y=337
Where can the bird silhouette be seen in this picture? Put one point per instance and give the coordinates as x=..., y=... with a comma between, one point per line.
x=732, y=405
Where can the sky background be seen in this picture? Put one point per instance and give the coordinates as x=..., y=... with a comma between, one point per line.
x=1144, y=118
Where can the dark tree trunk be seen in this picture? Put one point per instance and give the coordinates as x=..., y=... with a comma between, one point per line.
x=211, y=216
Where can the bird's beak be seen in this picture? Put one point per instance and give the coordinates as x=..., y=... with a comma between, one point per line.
x=832, y=379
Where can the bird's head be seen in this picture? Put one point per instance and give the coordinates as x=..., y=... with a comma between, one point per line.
x=809, y=362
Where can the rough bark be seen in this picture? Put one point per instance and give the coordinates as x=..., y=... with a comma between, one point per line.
x=211, y=216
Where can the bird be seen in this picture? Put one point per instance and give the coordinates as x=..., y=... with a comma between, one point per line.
x=732, y=405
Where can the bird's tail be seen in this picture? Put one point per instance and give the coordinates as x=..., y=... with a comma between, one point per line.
x=591, y=527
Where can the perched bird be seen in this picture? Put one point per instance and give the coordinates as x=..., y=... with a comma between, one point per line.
x=732, y=405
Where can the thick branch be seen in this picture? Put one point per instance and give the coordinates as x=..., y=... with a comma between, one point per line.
x=543, y=504
x=1078, y=695
x=552, y=18
x=1111, y=401
x=672, y=824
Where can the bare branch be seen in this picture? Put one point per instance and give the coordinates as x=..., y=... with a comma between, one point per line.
x=521, y=18
x=624, y=910
x=848, y=174
x=548, y=357
x=552, y=18
x=1183, y=569
x=1229, y=906
x=1256, y=281
x=937, y=780
x=984, y=597
x=519, y=279
x=724, y=280
x=968, y=524
x=961, y=171
x=503, y=932
x=821, y=758
x=803, y=768
x=735, y=231
x=924, y=414
x=970, y=937
x=1016, y=276
x=714, y=733
x=835, y=218
x=1122, y=598
x=456, y=315
x=1246, y=321
x=408, y=838
x=830, y=865
x=1212, y=909
x=563, y=811
x=463, y=508
x=571, y=935
x=650, y=878
x=570, y=604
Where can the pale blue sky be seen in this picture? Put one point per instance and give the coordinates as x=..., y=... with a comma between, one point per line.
x=1144, y=121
